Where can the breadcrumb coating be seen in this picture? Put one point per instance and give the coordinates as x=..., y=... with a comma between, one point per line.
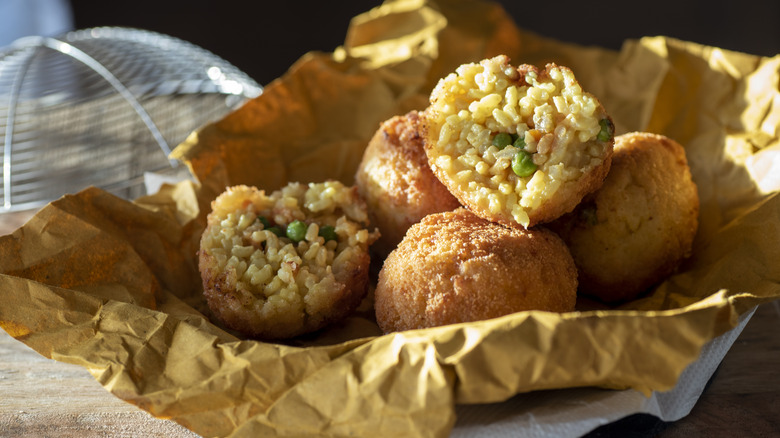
x=455, y=267
x=397, y=183
x=639, y=226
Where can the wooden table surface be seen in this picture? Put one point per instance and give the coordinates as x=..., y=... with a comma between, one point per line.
x=41, y=397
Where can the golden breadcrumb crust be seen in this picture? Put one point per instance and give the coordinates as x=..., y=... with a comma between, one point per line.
x=455, y=267
x=637, y=228
x=396, y=182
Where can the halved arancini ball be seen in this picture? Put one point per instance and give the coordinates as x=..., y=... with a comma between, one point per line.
x=517, y=145
x=279, y=265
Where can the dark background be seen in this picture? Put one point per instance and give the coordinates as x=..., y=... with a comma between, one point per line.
x=264, y=38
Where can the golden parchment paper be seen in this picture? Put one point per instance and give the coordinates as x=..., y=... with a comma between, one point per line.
x=113, y=285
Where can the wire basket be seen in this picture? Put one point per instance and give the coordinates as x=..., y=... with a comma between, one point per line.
x=103, y=107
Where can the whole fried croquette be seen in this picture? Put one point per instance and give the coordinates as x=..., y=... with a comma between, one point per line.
x=637, y=228
x=520, y=146
x=279, y=265
x=396, y=182
x=454, y=267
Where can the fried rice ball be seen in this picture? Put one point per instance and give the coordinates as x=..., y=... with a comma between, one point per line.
x=520, y=146
x=279, y=265
x=456, y=267
x=395, y=180
x=637, y=228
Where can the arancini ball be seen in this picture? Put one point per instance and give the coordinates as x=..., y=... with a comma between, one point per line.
x=455, y=267
x=639, y=226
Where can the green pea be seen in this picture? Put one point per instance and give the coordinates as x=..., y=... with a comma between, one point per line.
x=264, y=220
x=328, y=232
x=502, y=140
x=607, y=130
x=519, y=143
x=523, y=164
x=276, y=230
x=296, y=231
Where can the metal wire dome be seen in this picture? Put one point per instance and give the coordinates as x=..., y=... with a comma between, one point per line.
x=103, y=107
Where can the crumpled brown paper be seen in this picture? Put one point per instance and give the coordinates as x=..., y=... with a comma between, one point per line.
x=113, y=285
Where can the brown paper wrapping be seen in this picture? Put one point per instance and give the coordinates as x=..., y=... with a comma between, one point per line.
x=113, y=285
